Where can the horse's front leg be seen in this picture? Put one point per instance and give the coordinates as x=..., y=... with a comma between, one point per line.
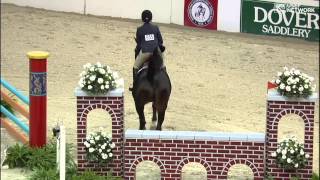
x=140, y=109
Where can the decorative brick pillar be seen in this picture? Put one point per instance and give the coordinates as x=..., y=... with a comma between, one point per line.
x=277, y=107
x=113, y=104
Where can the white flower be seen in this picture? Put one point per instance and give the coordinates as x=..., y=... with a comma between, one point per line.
x=100, y=150
x=296, y=165
x=112, y=145
x=115, y=75
x=92, y=141
x=106, y=86
x=99, y=64
x=286, y=73
x=285, y=68
x=104, y=156
x=102, y=87
x=273, y=154
x=284, y=157
x=92, y=78
x=282, y=86
x=300, y=89
x=291, y=151
x=102, y=71
x=306, y=86
x=108, y=150
x=87, y=144
x=81, y=84
x=289, y=160
x=91, y=69
x=278, y=81
x=91, y=150
x=288, y=88
x=278, y=150
x=87, y=66
x=103, y=147
x=307, y=156
x=89, y=87
x=284, y=152
x=301, y=152
x=296, y=72
x=97, y=138
x=100, y=80
x=110, y=154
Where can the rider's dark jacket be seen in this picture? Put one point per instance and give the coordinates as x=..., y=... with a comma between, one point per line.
x=148, y=38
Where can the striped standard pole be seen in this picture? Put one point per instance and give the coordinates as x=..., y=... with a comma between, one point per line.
x=38, y=98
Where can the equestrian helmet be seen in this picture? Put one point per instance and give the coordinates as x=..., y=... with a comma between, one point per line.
x=146, y=16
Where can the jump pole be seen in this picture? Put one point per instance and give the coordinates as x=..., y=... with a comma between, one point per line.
x=38, y=98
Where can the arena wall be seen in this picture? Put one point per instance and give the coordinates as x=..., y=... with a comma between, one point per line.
x=229, y=13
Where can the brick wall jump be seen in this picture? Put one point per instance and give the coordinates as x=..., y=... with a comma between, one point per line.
x=171, y=150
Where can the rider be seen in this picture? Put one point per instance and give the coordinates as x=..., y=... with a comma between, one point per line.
x=148, y=37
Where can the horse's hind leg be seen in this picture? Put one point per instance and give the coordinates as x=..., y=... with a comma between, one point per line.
x=142, y=120
x=154, y=111
x=160, y=119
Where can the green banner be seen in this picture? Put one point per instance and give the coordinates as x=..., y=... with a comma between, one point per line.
x=282, y=19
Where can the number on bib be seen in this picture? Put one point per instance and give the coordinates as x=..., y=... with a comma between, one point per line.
x=149, y=37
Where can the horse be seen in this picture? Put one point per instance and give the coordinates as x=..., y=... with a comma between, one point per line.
x=152, y=84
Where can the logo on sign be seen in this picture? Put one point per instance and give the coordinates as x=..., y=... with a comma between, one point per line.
x=200, y=12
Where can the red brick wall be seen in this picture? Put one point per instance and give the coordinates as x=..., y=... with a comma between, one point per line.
x=275, y=111
x=113, y=105
x=216, y=156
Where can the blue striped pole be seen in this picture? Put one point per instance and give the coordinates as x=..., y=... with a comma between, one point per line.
x=15, y=91
x=16, y=120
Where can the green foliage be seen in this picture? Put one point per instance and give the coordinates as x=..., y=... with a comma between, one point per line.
x=42, y=158
x=315, y=176
x=37, y=158
x=17, y=156
x=7, y=106
x=90, y=175
x=45, y=174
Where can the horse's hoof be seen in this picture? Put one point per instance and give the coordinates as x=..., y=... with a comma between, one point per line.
x=143, y=128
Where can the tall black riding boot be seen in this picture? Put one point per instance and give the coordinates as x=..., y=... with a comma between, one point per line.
x=134, y=75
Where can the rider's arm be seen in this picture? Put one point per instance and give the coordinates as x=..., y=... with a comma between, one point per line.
x=138, y=41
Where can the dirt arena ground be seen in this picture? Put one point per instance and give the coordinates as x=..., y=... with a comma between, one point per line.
x=219, y=79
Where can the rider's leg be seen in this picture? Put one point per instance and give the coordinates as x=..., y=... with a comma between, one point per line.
x=141, y=58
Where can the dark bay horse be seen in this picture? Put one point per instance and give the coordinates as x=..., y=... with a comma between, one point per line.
x=152, y=85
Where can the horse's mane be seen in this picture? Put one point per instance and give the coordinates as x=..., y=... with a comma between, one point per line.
x=155, y=64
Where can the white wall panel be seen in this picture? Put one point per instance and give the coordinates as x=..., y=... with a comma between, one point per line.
x=130, y=9
x=177, y=12
x=229, y=15
x=56, y=5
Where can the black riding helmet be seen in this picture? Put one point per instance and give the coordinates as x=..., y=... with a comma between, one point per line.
x=146, y=16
